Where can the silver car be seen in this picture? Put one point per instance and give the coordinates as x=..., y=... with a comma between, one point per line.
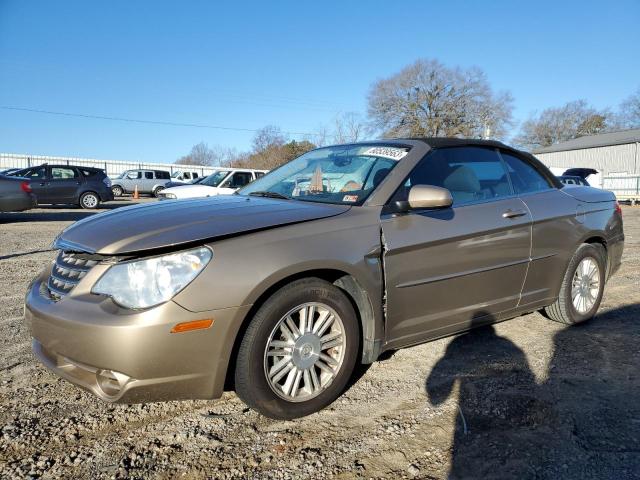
x=346, y=252
x=147, y=182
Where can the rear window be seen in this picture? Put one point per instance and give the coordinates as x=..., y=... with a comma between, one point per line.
x=90, y=173
x=63, y=173
x=163, y=175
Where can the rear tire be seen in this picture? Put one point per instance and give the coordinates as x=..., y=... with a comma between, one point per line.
x=299, y=350
x=89, y=200
x=582, y=287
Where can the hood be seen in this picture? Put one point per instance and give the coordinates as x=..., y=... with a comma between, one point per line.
x=171, y=223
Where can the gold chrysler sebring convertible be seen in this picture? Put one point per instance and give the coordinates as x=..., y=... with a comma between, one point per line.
x=348, y=251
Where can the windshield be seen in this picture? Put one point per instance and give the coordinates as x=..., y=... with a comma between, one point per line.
x=214, y=179
x=345, y=174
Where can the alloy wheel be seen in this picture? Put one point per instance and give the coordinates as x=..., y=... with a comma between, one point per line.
x=304, y=352
x=585, y=285
x=89, y=201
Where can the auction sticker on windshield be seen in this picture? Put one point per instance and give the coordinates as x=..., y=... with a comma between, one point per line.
x=393, y=153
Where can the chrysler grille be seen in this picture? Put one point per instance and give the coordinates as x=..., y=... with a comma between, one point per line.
x=68, y=270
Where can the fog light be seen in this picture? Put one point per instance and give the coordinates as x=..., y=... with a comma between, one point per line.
x=111, y=383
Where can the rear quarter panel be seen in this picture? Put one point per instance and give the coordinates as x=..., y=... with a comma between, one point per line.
x=561, y=224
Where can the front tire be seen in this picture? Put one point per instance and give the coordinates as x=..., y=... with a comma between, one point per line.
x=582, y=287
x=89, y=200
x=117, y=191
x=157, y=191
x=299, y=350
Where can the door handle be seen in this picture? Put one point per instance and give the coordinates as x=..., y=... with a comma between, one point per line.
x=514, y=213
x=42, y=184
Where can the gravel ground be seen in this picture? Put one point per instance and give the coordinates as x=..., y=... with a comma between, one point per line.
x=527, y=398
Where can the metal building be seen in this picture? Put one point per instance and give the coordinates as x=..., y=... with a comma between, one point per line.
x=614, y=154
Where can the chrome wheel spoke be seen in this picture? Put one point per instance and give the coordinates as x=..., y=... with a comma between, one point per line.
x=323, y=366
x=321, y=319
x=328, y=359
x=280, y=344
x=282, y=370
x=292, y=326
x=315, y=381
x=325, y=325
x=331, y=340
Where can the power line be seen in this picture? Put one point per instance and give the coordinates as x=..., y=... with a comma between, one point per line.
x=149, y=122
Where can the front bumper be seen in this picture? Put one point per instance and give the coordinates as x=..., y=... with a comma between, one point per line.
x=130, y=356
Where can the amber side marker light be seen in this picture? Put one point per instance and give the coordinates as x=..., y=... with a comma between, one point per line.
x=193, y=325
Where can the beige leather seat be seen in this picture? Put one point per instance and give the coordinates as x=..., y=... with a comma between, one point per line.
x=463, y=184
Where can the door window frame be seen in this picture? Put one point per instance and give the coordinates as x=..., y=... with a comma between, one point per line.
x=526, y=161
x=388, y=207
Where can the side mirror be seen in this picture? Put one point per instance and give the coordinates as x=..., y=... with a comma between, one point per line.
x=426, y=196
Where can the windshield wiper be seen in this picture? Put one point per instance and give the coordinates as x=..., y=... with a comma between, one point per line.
x=268, y=194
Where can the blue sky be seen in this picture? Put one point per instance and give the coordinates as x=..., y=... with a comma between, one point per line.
x=292, y=64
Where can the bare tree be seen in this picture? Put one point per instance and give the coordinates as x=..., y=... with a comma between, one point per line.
x=629, y=115
x=268, y=136
x=559, y=124
x=270, y=150
x=429, y=99
x=321, y=137
x=348, y=127
x=202, y=154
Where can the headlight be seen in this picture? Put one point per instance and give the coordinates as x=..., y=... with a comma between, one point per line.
x=150, y=282
x=168, y=195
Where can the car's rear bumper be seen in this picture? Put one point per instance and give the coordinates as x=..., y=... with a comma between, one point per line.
x=131, y=356
x=106, y=196
x=615, y=247
x=18, y=203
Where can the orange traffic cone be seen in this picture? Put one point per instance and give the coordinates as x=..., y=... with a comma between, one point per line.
x=136, y=195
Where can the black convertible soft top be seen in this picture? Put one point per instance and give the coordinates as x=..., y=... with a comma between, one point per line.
x=445, y=142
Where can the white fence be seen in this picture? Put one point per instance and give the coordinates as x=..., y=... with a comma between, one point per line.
x=626, y=187
x=112, y=167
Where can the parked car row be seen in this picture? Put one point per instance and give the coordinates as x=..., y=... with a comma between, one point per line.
x=62, y=184
x=156, y=182
x=88, y=187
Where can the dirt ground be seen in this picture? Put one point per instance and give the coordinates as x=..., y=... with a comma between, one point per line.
x=527, y=398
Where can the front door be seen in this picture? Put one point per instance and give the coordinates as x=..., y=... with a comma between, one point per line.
x=449, y=269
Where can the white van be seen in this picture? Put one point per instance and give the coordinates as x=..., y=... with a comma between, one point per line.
x=221, y=182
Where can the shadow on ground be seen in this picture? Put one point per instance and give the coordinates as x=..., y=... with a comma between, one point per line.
x=582, y=422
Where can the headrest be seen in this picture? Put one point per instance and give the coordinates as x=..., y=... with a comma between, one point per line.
x=462, y=179
x=379, y=176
